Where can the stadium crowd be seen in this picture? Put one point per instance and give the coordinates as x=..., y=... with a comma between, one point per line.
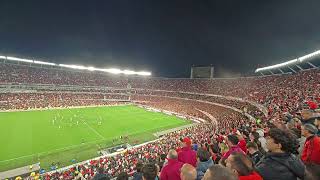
x=283, y=145
x=191, y=108
x=283, y=93
x=15, y=101
x=241, y=105
x=16, y=74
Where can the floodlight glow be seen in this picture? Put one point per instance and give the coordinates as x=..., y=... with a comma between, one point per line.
x=92, y=69
x=44, y=63
x=64, y=65
x=298, y=60
x=19, y=59
x=73, y=66
x=308, y=56
x=98, y=69
x=277, y=65
x=128, y=72
x=143, y=73
x=78, y=67
x=113, y=71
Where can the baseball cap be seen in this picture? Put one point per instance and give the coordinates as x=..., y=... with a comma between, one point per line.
x=187, y=141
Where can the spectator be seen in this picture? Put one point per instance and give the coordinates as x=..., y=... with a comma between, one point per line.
x=242, y=166
x=311, y=149
x=79, y=176
x=188, y=172
x=307, y=116
x=123, y=176
x=253, y=152
x=311, y=117
x=232, y=142
x=138, y=174
x=242, y=142
x=312, y=172
x=279, y=163
x=162, y=159
x=172, y=169
x=149, y=171
x=218, y=172
x=262, y=139
x=290, y=123
x=100, y=174
x=204, y=162
x=300, y=139
x=254, y=137
x=187, y=155
x=215, y=152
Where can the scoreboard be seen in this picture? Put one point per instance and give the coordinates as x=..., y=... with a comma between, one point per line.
x=202, y=72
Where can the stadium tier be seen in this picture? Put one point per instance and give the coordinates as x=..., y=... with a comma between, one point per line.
x=241, y=110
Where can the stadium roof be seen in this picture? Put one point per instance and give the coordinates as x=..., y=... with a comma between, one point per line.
x=294, y=62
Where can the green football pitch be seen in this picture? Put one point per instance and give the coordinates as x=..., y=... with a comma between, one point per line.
x=61, y=135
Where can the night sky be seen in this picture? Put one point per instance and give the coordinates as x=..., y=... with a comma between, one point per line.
x=162, y=36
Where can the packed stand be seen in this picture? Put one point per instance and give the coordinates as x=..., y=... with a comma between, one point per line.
x=241, y=105
x=15, y=74
x=15, y=101
x=279, y=93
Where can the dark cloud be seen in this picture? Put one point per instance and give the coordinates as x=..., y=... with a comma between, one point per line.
x=165, y=36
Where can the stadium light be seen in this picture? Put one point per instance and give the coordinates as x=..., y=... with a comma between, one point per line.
x=308, y=56
x=277, y=65
x=129, y=72
x=90, y=68
x=73, y=66
x=294, y=61
x=44, y=63
x=144, y=73
x=96, y=69
x=19, y=59
x=113, y=71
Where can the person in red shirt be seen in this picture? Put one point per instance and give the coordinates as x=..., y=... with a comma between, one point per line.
x=187, y=155
x=241, y=165
x=232, y=142
x=311, y=149
x=172, y=169
x=242, y=142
